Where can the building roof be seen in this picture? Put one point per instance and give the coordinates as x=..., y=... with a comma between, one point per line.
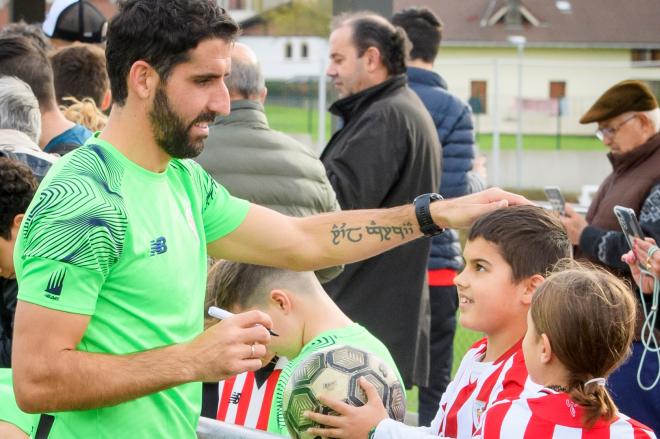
x=582, y=23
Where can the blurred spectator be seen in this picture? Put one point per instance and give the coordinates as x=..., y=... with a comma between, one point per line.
x=386, y=153
x=628, y=120
x=69, y=21
x=16, y=191
x=453, y=122
x=79, y=71
x=21, y=58
x=20, y=126
x=84, y=112
x=32, y=31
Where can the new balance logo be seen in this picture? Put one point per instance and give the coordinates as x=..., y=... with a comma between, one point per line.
x=158, y=246
x=54, y=287
x=235, y=397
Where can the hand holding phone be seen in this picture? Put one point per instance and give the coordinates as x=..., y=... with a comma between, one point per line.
x=630, y=227
x=556, y=199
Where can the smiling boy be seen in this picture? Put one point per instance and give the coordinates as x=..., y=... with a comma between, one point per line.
x=507, y=255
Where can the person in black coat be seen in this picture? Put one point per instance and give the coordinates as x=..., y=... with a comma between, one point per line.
x=453, y=121
x=385, y=154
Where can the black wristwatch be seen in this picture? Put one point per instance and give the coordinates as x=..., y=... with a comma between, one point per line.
x=423, y=213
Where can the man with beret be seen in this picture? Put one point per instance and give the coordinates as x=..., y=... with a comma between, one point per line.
x=628, y=124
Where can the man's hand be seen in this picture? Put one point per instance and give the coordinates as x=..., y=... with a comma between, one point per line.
x=640, y=253
x=233, y=346
x=463, y=211
x=574, y=223
x=352, y=422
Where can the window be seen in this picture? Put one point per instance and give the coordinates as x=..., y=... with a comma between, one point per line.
x=557, y=89
x=304, y=51
x=478, y=93
x=640, y=55
x=288, y=51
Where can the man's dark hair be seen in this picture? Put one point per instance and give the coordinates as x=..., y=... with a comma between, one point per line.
x=20, y=57
x=32, y=31
x=79, y=71
x=424, y=30
x=529, y=238
x=160, y=32
x=372, y=30
x=16, y=191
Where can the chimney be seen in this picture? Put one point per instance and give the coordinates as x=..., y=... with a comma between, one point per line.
x=513, y=18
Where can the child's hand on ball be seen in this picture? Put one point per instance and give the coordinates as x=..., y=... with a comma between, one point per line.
x=351, y=422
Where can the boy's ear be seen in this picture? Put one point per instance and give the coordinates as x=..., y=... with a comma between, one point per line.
x=531, y=284
x=546, y=350
x=281, y=300
x=16, y=224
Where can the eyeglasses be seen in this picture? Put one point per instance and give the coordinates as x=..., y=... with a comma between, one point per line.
x=601, y=133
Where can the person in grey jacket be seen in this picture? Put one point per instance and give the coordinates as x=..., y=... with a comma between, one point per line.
x=452, y=118
x=259, y=164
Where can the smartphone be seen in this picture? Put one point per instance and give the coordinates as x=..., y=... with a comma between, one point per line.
x=556, y=199
x=629, y=225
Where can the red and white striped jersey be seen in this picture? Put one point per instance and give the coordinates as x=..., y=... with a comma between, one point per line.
x=552, y=415
x=245, y=399
x=476, y=386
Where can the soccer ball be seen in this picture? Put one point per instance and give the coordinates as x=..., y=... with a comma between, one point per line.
x=334, y=372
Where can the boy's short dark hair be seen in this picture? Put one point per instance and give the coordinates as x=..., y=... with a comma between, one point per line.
x=16, y=191
x=79, y=71
x=424, y=30
x=22, y=58
x=233, y=284
x=31, y=31
x=530, y=239
x=160, y=32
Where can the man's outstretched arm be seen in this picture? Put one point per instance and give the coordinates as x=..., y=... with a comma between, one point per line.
x=50, y=375
x=310, y=243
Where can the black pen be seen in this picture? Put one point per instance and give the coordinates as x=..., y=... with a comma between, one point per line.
x=222, y=314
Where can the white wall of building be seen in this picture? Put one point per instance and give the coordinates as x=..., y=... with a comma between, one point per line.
x=587, y=73
x=276, y=65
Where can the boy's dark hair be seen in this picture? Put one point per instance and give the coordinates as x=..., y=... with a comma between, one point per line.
x=160, y=32
x=372, y=30
x=233, y=284
x=424, y=30
x=22, y=58
x=529, y=238
x=79, y=71
x=16, y=191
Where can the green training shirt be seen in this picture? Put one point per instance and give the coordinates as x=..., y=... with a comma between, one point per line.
x=352, y=335
x=9, y=411
x=107, y=238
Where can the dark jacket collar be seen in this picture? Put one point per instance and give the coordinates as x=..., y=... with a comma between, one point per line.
x=641, y=153
x=244, y=111
x=353, y=104
x=426, y=77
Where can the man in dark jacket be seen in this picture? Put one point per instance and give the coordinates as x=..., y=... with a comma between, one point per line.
x=386, y=152
x=628, y=120
x=452, y=118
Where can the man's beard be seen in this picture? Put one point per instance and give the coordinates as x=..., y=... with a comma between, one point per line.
x=171, y=132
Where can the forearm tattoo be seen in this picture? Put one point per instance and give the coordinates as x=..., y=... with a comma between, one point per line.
x=343, y=232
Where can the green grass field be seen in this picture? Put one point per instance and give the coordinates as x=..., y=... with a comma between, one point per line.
x=300, y=120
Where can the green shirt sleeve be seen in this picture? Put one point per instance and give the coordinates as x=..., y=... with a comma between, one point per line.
x=72, y=235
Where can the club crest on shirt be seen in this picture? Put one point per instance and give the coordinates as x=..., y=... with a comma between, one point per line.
x=478, y=409
x=571, y=407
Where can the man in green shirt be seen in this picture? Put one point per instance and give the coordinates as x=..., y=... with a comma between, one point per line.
x=111, y=255
x=304, y=316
